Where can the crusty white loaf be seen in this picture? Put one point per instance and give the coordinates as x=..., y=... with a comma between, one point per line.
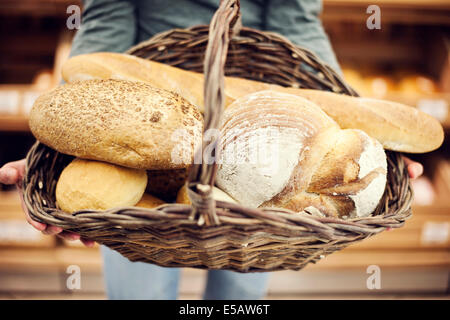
x=127, y=123
x=281, y=150
x=95, y=185
x=398, y=127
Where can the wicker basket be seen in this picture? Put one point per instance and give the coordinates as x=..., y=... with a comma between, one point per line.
x=210, y=234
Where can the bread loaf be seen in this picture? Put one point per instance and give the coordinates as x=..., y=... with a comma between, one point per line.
x=122, y=122
x=107, y=65
x=281, y=150
x=396, y=126
x=95, y=185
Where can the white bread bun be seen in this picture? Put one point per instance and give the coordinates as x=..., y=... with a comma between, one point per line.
x=95, y=185
x=122, y=122
x=281, y=150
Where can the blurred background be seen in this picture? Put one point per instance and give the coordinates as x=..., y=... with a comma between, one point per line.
x=407, y=60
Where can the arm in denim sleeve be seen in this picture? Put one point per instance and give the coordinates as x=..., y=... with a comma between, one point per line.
x=298, y=20
x=106, y=25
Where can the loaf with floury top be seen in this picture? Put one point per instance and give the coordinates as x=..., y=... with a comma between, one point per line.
x=281, y=150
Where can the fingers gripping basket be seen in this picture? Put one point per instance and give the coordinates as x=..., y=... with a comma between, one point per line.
x=210, y=234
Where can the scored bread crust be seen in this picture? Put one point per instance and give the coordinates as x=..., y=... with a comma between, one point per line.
x=340, y=173
x=122, y=122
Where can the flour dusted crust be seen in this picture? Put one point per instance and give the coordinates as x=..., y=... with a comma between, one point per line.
x=122, y=122
x=350, y=180
x=264, y=137
x=307, y=161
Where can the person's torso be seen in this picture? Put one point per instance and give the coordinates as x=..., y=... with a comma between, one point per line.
x=155, y=16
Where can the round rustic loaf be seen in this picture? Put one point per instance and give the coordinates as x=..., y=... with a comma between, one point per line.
x=123, y=122
x=95, y=185
x=282, y=150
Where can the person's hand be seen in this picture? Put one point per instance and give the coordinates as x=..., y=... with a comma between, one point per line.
x=415, y=169
x=12, y=173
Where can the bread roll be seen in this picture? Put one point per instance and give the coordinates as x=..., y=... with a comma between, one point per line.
x=217, y=194
x=398, y=127
x=122, y=122
x=95, y=185
x=281, y=150
x=149, y=201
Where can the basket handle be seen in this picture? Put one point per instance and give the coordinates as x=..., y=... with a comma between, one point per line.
x=202, y=175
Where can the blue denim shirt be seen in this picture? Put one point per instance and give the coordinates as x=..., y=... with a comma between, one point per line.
x=116, y=25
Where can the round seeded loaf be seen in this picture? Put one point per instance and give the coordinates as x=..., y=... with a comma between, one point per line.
x=122, y=122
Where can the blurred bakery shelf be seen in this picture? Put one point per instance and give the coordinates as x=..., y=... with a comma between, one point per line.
x=414, y=272
x=37, y=7
x=432, y=12
x=14, y=230
x=16, y=100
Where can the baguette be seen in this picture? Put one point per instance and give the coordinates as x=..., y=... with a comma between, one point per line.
x=396, y=126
